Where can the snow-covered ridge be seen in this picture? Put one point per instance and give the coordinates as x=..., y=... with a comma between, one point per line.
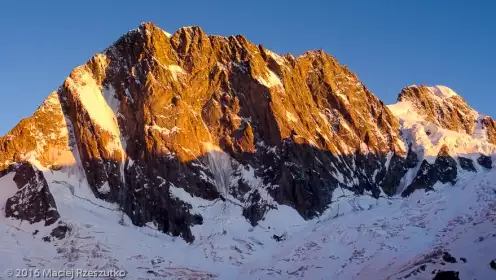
x=439, y=91
x=442, y=91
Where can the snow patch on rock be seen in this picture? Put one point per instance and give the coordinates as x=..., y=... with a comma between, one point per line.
x=90, y=94
x=290, y=117
x=442, y=91
x=167, y=34
x=99, y=102
x=280, y=60
x=270, y=80
x=176, y=70
x=163, y=130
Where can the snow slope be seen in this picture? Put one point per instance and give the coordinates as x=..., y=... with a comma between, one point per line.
x=443, y=91
x=388, y=238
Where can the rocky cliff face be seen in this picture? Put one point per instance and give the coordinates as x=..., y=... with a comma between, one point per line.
x=158, y=116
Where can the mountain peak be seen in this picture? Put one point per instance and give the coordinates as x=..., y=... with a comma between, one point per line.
x=147, y=24
x=206, y=137
x=443, y=107
x=189, y=103
x=148, y=28
x=439, y=105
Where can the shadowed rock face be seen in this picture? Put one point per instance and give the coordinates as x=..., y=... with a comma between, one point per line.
x=443, y=170
x=467, y=164
x=398, y=167
x=33, y=202
x=221, y=119
x=485, y=161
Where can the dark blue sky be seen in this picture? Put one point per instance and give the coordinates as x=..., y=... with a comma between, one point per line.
x=388, y=44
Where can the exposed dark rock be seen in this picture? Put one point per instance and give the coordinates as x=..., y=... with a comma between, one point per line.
x=446, y=167
x=447, y=257
x=492, y=264
x=485, y=161
x=255, y=210
x=398, y=167
x=60, y=231
x=33, y=202
x=446, y=275
x=425, y=179
x=443, y=170
x=464, y=260
x=467, y=164
x=279, y=238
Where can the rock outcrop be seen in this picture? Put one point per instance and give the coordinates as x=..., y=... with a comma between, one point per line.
x=33, y=202
x=443, y=170
x=467, y=164
x=485, y=161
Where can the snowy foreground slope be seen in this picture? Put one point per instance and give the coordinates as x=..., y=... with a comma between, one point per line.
x=391, y=239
